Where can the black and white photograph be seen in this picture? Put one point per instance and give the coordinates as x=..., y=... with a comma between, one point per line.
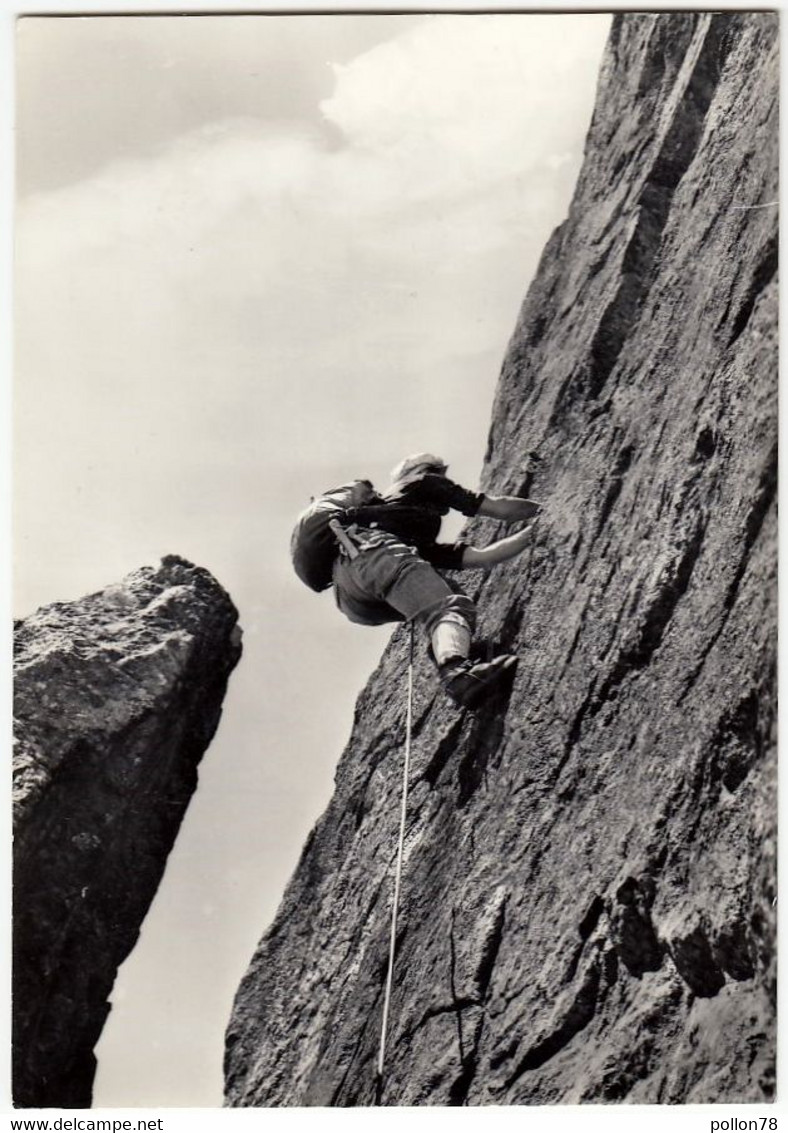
x=394, y=538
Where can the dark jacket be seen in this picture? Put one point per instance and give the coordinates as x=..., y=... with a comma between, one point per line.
x=414, y=511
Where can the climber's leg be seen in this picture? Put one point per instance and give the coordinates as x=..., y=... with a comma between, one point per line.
x=389, y=581
x=451, y=638
x=449, y=621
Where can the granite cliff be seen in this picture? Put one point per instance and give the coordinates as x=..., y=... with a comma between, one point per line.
x=589, y=876
x=116, y=698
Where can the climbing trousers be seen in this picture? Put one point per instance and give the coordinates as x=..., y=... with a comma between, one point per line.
x=388, y=581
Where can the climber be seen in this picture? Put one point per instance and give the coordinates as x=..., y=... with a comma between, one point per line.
x=387, y=561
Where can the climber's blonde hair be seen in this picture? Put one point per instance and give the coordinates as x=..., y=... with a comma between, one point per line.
x=416, y=464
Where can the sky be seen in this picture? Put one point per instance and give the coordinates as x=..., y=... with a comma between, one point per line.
x=256, y=256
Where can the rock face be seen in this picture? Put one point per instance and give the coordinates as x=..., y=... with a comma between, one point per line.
x=589, y=875
x=117, y=696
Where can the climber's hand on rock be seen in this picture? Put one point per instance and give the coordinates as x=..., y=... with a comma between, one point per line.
x=498, y=552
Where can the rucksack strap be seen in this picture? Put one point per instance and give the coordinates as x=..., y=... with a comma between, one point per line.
x=343, y=538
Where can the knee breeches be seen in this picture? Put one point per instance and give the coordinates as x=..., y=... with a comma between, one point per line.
x=389, y=582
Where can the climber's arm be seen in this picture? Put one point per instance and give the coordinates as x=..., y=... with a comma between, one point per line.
x=498, y=552
x=439, y=491
x=508, y=508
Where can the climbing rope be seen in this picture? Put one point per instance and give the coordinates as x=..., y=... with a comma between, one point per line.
x=397, y=877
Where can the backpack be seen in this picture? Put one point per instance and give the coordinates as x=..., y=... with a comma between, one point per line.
x=313, y=545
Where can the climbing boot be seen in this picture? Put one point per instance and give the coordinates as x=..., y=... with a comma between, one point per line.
x=468, y=682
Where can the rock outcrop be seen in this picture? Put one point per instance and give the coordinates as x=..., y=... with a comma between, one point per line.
x=589, y=874
x=117, y=696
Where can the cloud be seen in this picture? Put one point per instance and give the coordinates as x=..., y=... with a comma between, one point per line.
x=93, y=90
x=458, y=103
x=445, y=111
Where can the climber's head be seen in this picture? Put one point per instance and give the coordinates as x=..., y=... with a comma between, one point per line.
x=420, y=463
